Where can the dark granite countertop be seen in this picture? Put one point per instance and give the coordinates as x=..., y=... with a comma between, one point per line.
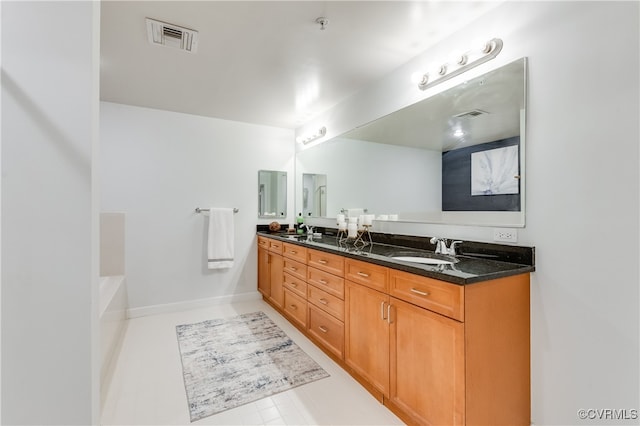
x=477, y=262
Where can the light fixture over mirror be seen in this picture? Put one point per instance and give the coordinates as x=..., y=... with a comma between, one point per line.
x=461, y=63
x=305, y=139
x=401, y=157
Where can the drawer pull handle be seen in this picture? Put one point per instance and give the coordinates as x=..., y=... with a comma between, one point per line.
x=293, y=268
x=323, y=301
x=323, y=329
x=323, y=281
x=421, y=293
x=363, y=274
x=293, y=252
x=382, y=310
x=294, y=307
x=294, y=284
x=324, y=262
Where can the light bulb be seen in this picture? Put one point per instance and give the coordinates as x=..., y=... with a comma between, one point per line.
x=488, y=47
x=416, y=77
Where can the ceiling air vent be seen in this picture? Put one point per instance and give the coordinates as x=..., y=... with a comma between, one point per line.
x=471, y=114
x=169, y=35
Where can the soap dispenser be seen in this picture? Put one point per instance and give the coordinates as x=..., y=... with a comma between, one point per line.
x=299, y=223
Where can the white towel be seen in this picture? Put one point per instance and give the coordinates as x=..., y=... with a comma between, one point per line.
x=220, y=244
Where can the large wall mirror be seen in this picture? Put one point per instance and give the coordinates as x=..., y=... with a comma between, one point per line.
x=272, y=194
x=456, y=157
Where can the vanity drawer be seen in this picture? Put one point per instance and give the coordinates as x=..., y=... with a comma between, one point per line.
x=297, y=269
x=368, y=274
x=295, y=307
x=328, y=330
x=295, y=252
x=275, y=246
x=263, y=242
x=437, y=296
x=328, y=282
x=295, y=285
x=331, y=263
x=326, y=302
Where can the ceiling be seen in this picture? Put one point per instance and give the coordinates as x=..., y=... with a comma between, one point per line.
x=266, y=62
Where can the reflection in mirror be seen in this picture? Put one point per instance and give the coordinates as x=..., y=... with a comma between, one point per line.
x=314, y=195
x=419, y=162
x=272, y=194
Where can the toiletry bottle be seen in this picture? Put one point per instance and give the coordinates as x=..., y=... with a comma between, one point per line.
x=299, y=223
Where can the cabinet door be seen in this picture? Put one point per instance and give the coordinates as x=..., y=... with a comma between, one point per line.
x=427, y=365
x=367, y=334
x=264, y=277
x=276, y=279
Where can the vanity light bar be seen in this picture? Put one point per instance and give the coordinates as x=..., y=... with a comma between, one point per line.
x=305, y=139
x=462, y=63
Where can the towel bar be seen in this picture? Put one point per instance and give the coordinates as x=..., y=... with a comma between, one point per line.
x=199, y=210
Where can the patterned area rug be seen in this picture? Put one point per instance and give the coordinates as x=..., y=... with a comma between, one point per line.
x=233, y=361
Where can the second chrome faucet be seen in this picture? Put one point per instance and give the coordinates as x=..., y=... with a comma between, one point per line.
x=441, y=246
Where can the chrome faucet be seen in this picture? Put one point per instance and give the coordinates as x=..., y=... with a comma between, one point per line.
x=441, y=246
x=309, y=229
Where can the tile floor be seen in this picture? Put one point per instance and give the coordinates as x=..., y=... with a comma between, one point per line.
x=146, y=387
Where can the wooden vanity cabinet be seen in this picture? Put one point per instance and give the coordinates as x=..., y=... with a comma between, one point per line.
x=276, y=279
x=445, y=370
x=270, y=270
x=264, y=276
x=294, y=283
x=325, y=296
x=427, y=366
x=367, y=323
x=432, y=351
x=367, y=335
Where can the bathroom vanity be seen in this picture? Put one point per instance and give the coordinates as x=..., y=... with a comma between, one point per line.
x=436, y=344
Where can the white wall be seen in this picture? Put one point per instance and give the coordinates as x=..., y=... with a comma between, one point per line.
x=582, y=191
x=157, y=167
x=49, y=217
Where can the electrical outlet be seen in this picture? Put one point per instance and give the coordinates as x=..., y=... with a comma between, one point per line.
x=507, y=235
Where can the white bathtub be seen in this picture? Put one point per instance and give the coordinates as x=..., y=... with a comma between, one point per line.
x=113, y=320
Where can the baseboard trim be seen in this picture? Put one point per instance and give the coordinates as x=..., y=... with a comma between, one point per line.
x=191, y=304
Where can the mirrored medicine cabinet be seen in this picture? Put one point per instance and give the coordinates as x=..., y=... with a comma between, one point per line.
x=272, y=194
x=456, y=157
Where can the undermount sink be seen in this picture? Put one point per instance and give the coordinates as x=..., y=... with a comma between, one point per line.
x=423, y=260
